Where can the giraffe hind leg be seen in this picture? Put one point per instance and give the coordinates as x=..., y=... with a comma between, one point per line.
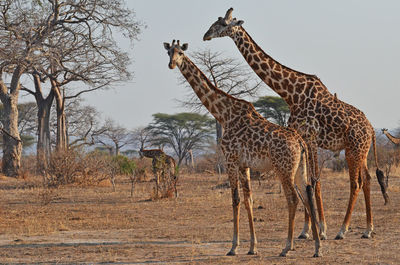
x=367, y=197
x=234, y=184
x=292, y=201
x=355, y=186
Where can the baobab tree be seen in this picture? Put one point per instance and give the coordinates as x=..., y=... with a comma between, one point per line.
x=54, y=39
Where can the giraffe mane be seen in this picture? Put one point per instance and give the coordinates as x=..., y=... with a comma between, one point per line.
x=286, y=67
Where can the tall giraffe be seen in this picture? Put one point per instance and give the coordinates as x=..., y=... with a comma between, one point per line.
x=249, y=141
x=322, y=120
x=391, y=137
x=163, y=166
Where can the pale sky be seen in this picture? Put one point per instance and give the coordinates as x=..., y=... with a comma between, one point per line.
x=352, y=46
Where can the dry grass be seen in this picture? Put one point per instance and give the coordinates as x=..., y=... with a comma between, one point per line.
x=75, y=224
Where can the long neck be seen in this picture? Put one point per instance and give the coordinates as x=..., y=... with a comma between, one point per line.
x=283, y=80
x=217, y=102
x=392, y=138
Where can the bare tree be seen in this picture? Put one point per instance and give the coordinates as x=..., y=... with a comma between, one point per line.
x=83, y=124
x=33, y=30
x=114, y=137
x=141, y=136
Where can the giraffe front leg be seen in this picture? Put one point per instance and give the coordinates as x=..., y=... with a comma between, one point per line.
x=321, y=215
x=248, y=202
x=234, y=183
x=157, y=177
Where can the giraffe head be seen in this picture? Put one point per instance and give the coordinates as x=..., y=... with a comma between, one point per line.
x=175, y=52
x=384, y=130
x=224, y=26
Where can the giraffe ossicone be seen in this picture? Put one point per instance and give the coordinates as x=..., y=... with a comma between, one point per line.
x=251, y=141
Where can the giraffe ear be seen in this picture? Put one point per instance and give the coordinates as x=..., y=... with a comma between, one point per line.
x=239, y=23
x=167, y=46
x=184, y=46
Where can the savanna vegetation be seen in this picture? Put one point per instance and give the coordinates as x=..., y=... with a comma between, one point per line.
x=75, y=189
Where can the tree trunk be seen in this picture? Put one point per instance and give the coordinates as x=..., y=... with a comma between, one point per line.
x=117, y=152
x=43, y=150
x=12, y=146
x=12, y=149
x=62, y=139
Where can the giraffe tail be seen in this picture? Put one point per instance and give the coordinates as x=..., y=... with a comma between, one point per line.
x=311, y=180
x=379, y=173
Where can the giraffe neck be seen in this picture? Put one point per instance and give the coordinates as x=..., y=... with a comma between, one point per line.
x=392, y=138
x=283, y=80
x=217, y=102
x=152, y=153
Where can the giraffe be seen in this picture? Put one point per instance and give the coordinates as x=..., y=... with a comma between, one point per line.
x=391, y=137
x=163, y=166
x=322, y=119
x=249, y=141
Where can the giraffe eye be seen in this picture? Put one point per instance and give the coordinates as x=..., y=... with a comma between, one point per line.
x=180, y=53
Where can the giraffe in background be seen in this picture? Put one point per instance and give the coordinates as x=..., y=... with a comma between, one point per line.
x=249, y=141
x=163, y=166
x=391, y=137
x=321, y=119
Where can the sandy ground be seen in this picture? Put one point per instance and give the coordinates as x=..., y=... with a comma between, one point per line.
x=95, y=225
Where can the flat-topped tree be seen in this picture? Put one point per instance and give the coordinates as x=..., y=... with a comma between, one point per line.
x=322, y=120
x=250, y=141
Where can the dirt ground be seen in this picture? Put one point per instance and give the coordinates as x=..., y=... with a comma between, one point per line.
x=96, y=225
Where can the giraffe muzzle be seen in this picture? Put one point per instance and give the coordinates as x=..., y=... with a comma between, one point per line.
x=171, y=65
x=206, y=36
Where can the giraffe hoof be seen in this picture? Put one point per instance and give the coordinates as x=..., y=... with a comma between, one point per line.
x=283, y=254
x=323, y=237
x=339, y=237
x=231, y=253
x=317, y=255
x=303, y=236
x=251, y=252
x=367, y=235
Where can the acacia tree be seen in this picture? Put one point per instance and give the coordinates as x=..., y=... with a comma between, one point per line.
x=182, y=132
x=274, y=109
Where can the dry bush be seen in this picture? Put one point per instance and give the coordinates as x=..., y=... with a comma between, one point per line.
x=142, y=170
x=206, y=164
x=76, y=167
x=28, y=167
